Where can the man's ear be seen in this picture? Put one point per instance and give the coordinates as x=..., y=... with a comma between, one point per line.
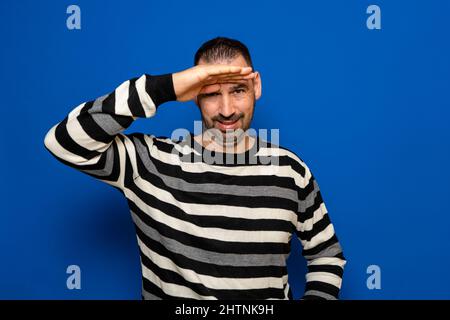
x=257, y=85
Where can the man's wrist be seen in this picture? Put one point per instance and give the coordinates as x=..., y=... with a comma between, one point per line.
x=160, y=88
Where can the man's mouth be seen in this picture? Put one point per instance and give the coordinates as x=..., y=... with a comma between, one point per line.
x=228, y=125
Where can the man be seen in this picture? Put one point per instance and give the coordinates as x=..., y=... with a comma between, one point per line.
x=206, y=230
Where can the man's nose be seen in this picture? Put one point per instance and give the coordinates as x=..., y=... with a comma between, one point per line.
x=226, y=106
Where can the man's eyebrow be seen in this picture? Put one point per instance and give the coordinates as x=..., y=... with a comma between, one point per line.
x=239, y=86
x=202, y=95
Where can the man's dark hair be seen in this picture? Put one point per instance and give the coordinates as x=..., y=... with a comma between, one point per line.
x=222, y=48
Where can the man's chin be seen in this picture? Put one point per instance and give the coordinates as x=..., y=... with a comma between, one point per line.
x=226, y=136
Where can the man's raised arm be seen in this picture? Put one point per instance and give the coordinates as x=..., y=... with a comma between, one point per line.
x=89, y=138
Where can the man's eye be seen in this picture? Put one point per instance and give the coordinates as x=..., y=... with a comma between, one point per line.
x=239, y=91
x=212, y=94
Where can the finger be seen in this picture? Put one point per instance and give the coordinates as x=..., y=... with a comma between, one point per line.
x=240, y=77
x=224, y=80
x=237, y=76
x=246, y=70
x=233, y=81
x=227, y=69
x=250, y=76
x=210, y=88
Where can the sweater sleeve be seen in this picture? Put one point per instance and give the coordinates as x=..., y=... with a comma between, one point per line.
x=321, y=248
x=90, y=137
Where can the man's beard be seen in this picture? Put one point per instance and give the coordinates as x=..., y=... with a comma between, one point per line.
x=231, y=137
x=227, y=139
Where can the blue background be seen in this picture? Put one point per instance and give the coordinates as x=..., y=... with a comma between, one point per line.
x=368, y=110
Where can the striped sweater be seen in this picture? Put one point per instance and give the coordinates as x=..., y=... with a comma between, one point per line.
x=204, y=230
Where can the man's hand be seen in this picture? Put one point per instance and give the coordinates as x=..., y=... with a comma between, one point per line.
x=206, y=79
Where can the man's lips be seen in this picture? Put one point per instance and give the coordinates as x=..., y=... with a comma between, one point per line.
x=228, y=125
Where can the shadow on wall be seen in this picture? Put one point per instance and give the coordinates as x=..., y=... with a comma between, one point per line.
x=296, y=265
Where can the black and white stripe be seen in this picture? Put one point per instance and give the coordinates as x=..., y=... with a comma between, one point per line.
x=205, y=231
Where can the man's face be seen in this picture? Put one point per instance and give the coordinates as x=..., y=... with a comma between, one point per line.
x=231, y=106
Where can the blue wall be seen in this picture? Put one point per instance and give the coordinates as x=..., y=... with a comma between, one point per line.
x=368, y=110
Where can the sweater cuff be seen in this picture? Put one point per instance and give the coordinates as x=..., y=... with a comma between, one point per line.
x=160, y=88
